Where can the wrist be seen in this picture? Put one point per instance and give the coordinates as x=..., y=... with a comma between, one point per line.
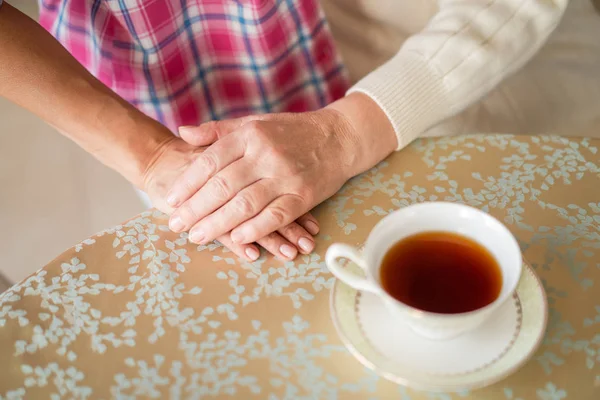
x=134, y=140
x=150, y=142
x=366, y=132
x=144, y=142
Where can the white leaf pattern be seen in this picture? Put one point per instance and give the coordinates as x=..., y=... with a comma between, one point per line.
x=139, y=312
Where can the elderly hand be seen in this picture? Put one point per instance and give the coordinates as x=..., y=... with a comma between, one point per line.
x=174, y=156
x=265, y=171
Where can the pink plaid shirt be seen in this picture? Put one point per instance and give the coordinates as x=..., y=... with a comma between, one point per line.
x=185, y=62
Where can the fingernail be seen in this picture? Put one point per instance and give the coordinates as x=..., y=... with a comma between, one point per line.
x=172, y=200
x=184, y=128
x=306, y=245
x=237, y=237
x=176, y=224
x=197, y=236
x=252, y=253
x=288, y=251
x=311, y=227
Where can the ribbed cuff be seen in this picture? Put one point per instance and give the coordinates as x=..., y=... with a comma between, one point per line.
x=410, y=92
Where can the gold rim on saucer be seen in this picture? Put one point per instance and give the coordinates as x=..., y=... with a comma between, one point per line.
x=531, y=315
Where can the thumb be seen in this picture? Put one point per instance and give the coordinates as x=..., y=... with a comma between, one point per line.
x=209, y=132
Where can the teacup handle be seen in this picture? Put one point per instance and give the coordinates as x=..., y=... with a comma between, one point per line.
x=339, y=250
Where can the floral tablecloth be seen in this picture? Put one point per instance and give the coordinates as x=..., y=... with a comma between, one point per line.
x=139, y=312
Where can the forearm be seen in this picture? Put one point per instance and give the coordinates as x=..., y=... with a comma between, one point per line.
x=37, y=73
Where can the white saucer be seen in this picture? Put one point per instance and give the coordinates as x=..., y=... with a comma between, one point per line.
x=476, y=359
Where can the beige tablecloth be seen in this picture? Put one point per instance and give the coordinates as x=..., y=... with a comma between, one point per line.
x=138, y=312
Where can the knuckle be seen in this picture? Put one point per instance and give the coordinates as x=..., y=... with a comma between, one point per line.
x=272, y=240
x=187, y=183
x=290, y=230
x=271, y=243
x=220, y=188
x=208, y=162
x=308, y=217
x=244, y=205
x=188, y=212
x=277, y=215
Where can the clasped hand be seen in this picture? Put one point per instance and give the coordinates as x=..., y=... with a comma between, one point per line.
x=258, y=175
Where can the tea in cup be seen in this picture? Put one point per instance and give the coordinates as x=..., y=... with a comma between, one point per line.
x=444, y=268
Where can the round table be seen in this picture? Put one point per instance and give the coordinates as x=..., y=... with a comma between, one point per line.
x=138, y=312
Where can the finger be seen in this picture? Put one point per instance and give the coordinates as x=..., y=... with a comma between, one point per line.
x=210, y=162
x=210, y=132
x=277, y=245
x=215, y=193
x=296, y=234
x=279, y=213
x=245, y=205
x=248, y=252
x=308, y=222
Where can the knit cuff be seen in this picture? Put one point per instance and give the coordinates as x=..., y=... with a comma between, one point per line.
x=410, y=92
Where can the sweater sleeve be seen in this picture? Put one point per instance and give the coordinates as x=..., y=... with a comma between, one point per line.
x=466, y=49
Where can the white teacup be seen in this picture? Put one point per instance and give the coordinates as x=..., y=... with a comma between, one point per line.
x=431, y=216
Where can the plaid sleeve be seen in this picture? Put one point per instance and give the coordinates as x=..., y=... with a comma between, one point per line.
x=187, y=62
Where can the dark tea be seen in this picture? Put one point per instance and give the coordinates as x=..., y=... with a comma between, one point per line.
x=441, y=272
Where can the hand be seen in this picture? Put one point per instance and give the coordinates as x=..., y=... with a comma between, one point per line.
x=174, y=156
x=265, y=171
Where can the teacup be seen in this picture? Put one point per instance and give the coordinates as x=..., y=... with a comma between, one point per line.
x=427, y=217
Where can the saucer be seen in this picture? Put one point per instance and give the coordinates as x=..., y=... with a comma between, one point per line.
x=476, y=359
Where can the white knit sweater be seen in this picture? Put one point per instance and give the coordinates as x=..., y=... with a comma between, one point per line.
x=463, y=50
